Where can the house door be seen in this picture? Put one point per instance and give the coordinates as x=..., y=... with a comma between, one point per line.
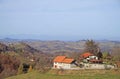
x=55, y=66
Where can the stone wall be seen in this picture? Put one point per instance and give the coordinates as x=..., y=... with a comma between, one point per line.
x=97, y=66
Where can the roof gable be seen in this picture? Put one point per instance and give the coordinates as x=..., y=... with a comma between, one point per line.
x=87, y=54
x=68, y=60
x=59, y=58
x=63, y=59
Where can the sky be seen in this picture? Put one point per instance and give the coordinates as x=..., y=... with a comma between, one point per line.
x=60, y=19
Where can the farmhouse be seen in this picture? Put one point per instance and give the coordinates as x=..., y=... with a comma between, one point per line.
x=88, y=61
x=91, y=61
x=62, y=62
x=90, y=58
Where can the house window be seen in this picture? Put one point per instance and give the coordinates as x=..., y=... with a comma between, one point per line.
x=55, y=62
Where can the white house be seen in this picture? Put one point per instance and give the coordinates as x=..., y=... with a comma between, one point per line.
x=92, y=57
x=91, y=61
x=62, y=62
x=88, y=57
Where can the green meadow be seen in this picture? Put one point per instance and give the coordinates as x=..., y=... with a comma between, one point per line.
x=70, y=74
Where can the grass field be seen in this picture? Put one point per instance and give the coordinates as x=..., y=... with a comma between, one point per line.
x=69, y=74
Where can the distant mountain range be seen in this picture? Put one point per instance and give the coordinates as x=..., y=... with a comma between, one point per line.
x=18, y=37
x=57, y=46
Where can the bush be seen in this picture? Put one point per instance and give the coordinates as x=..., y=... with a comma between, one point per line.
x=8, y=65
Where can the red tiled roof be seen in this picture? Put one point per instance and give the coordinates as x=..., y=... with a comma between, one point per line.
x=87, y=54
x=68, y=60
x=63, y=59
x=59, y=58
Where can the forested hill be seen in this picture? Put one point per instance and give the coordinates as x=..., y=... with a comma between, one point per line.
x=13, y=55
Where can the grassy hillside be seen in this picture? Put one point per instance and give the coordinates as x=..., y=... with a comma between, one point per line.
x=81, y=74
x=42, y=53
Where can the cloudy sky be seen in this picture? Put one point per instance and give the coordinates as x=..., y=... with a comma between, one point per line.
x=95, y=19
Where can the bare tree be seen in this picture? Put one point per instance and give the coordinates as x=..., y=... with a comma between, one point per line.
x=91, y=46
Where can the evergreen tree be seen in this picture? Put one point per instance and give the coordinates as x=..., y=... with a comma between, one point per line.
x=100, y=55
x=30, y=69
x=20, y=69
